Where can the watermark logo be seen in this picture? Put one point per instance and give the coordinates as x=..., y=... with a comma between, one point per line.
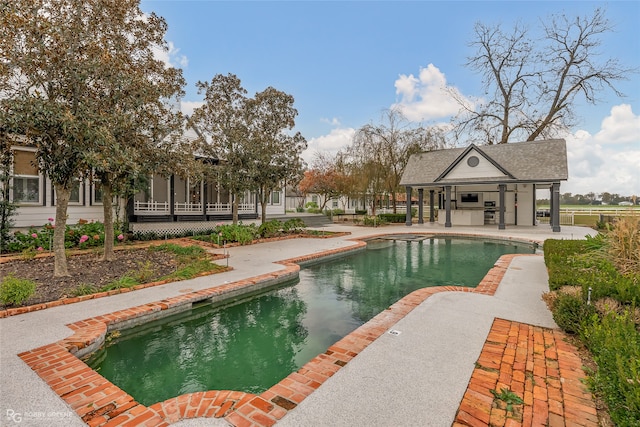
x=17, y=417
x=14, y=416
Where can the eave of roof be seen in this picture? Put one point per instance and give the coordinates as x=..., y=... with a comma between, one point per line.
x=522, y=162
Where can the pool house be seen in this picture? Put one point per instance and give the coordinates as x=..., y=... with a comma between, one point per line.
x=486, y=185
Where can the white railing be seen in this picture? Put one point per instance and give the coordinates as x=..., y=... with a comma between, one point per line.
x=151, y=208
x=629, y=210
x=162, y=208
x=216, y=208
x=566, y=218
x=187, y=207
x=225, y=208
x=246, y=208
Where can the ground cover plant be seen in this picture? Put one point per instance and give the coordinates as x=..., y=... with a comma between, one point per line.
x=595, y=295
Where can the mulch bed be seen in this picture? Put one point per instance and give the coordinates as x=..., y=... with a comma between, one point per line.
x=86, y=269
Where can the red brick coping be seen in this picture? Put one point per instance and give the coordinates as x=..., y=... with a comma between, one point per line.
x=100, y=403
x=537, y=365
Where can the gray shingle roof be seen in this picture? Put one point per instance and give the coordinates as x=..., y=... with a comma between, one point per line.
x=535, y=161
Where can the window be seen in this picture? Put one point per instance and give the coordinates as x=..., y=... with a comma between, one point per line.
x=26, y=179
x=75, y=195
x=275, y=197
x=97, y=192
x=335, y=204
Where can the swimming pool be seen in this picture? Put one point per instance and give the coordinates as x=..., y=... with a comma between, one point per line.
x=254, y=343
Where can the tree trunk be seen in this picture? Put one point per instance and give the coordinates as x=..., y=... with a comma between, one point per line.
x=108, y=221
x=234, y=208
x=60, y=268
x=264, y=196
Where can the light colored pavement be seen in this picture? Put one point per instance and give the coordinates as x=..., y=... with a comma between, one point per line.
x=420, y=374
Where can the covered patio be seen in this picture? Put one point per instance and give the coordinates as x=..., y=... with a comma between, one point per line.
x=493, y=184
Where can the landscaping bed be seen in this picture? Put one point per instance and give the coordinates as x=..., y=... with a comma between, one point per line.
x=595, y=296
x=131, y=268
x=86, y=270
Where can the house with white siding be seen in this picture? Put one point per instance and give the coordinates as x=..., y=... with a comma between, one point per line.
x=166, y=199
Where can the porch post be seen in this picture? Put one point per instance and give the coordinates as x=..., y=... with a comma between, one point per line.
x=431, y=211
x=420, y=205
x=172, y=197
x=203, y=198
x=502, y=188
x=408, y=221
x=447, y=205
x=555, y=207
x=130, y=210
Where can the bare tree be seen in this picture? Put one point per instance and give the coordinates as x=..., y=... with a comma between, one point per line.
x=531, y=85
x=383, y=150
x=504, y=61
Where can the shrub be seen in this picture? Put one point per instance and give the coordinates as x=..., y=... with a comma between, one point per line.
x=331, y=212
x=614, y=343
x=373, y=221
x=559, y=256
x=293, y=225
x=393, y=218
x=240, y=233
x=83, y=289
x=569, y=312
x=14, y=291
x=610, y=326
x=311, y=205
x=270, y=228
x=361, y=211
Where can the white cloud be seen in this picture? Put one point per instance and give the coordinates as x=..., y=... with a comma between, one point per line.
x=427, y=97
x=187, y=107
x=337, y=139
x=333, y=121
x=621, y=127
x=607, y=161
x=170, y=56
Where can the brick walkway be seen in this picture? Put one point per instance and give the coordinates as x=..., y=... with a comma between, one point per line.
x=539, y=367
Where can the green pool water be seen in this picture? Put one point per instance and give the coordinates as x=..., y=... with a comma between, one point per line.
x=254, y=343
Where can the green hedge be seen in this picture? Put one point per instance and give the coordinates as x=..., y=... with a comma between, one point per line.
x=613, y=336
x=557, y=257
x=393, y=218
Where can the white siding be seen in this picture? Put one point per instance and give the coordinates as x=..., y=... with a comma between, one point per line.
x=484, y=169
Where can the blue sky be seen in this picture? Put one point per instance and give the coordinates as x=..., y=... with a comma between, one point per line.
x=345, y=62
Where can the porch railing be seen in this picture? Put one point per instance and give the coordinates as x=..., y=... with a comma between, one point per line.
x=162, y=208
x=225, y=208
x=187, y=207
x=151, y=208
